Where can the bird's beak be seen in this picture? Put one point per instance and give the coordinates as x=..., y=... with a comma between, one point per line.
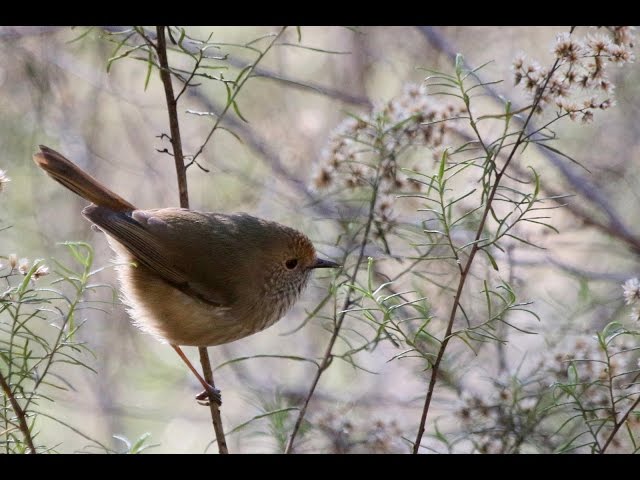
x=322, y=263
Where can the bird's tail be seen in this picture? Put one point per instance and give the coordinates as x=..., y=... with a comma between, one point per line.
x=79, y=182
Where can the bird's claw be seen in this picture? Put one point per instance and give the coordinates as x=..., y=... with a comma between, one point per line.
x=205, y=397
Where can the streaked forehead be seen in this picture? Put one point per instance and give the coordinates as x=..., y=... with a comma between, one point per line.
x=302, y=245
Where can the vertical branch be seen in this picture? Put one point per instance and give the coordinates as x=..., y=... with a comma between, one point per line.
x=207, y=373
x=174, y=126
x=181, y=173
x=474, y=250
x=327, y=358
x=618, y=424
x=613, y=225
x=20, y=413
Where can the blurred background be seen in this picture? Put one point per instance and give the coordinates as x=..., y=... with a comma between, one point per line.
x=56, y=91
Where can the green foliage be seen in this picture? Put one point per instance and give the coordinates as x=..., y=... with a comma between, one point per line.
x=38, y=339
x=137, y=446
x=600, y=394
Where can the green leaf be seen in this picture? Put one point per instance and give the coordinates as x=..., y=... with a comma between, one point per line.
x=612, y=330
x=183, y=33
x=537, y=183
x=81, y=36
x=135, y=448
x=115, y=55
x=75, y=250
x=257, y=417
x=149, y=70
x=285, y=357
x=124, y=440
x=232, y=133
x=139, y=446
x=234, y=104
x=572, y=377
x=443, y=164
x=314, y=49
x=459, y=64
x=555, y=150
x=25, y=281
x=370, y=273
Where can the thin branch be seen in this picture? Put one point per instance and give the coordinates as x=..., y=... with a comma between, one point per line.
x=193, y=47
x=474, y=249
x=619, y=424
x=22, y=417
x=308, y=85
x=614, y=226
x=269, y=155
x=327, y=358
x=246, y=75
x=172, y=108
x=213, y=406
x=244, y=130
x=60, y=341
x=610, y=388
x=181, y=173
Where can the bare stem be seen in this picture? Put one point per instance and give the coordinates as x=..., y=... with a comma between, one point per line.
x=612, y=224
x=181, y=173
x=174, y=125
x=246, y=74
x=619, y=424
x=474, y=249
x=22, y=417
x=327, y=358
x=213, y=406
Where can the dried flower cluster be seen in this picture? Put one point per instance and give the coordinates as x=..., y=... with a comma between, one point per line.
x=631, y=293
x=513, y=413
x=586, y=356
x=344, y=436
x=580, y=83
x=22, y=266
x=3, y=179
x=604, y=389
x=497, y=422
x=365, y=151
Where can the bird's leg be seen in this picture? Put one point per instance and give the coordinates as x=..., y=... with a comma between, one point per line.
x=209, y=391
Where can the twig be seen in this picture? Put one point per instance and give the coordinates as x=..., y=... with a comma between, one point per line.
x=60, y=341
x=22, y=417
x=614, y=225
x=619, y=424
x=176, y=143
x=474, y=249
x=244, y=130
x=246, y=74
x=268, y=154
x=174, y=126
x=193, y=47
x=213, y=406
x=327, y=358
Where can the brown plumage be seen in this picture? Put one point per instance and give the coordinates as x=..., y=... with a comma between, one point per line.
x=194, y=278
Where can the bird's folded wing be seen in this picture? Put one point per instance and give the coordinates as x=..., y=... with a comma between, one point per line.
x=155, y=247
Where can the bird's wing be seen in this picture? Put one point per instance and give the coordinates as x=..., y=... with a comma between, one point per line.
x=158, y=245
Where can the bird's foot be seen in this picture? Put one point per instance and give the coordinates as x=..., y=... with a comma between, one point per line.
x=211, y=393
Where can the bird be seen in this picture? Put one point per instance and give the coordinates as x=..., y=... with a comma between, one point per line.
x=192, y=278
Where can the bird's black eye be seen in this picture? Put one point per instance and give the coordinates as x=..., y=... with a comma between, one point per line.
x=291, y=263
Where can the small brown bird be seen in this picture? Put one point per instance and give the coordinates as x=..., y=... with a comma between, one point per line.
x=194, y=278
